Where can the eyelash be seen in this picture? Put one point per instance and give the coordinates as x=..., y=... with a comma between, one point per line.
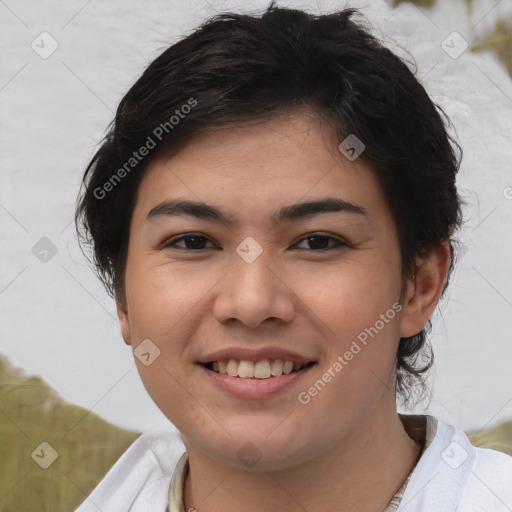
x=171, y=243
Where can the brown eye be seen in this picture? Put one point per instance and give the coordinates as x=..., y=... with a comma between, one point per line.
x=192, y=242
x=320, y=242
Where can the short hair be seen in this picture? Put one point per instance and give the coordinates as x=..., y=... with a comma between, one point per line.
x=236, y=69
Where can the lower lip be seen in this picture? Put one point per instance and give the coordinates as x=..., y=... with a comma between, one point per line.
x=255, y=388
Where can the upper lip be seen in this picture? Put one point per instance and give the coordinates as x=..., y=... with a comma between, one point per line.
x=249, y=354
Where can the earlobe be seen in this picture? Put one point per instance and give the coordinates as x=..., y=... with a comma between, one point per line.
x=423, y=293
x=122, y=315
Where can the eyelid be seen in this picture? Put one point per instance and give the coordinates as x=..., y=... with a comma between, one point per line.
x=171, y=241
x=340, y=241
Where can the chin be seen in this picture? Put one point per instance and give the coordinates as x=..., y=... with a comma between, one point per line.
x=258, y=452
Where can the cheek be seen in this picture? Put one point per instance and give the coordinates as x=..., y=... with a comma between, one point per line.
x=159, y=300
x=158, y=306
x=177, y=400
x=363, y=334
x=358, y=313
x=348, y=298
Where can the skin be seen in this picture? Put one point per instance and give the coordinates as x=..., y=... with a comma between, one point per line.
x=348, y=439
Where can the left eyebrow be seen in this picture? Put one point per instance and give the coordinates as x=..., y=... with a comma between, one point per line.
x=290, y=212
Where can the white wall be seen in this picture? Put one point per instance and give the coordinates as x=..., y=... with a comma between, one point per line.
x=56, y=320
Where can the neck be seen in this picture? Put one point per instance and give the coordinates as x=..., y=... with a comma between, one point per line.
x=370, y=458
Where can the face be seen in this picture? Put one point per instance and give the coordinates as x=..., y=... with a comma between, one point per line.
x=255, y=279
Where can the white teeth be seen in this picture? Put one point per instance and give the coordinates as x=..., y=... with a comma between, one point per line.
x=232, y=368
x=261, y=369
x=222, y=367
x=264, y=369
x=246, y=369
x=287, y=367
x=276, y=368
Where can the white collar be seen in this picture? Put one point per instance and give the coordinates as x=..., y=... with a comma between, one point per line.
x=449, y=473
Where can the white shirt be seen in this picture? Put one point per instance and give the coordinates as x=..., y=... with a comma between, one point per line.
x=451, y=476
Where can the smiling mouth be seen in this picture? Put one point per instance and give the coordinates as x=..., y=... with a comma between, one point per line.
x=265, y=369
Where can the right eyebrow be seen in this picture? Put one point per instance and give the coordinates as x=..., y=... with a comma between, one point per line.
x=290, y=212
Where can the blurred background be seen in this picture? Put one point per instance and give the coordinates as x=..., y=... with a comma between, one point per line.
x=64, y=367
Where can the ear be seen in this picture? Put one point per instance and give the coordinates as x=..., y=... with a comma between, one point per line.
x=122, y=315
x=423, y=293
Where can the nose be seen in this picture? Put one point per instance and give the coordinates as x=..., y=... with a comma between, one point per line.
x=252, y=293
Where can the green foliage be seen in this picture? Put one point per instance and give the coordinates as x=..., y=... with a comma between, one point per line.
x=497, y=438
x=425, y=4
x=87, y=446
x=500, y=43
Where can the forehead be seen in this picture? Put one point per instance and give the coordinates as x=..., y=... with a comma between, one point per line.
x=283, y=160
